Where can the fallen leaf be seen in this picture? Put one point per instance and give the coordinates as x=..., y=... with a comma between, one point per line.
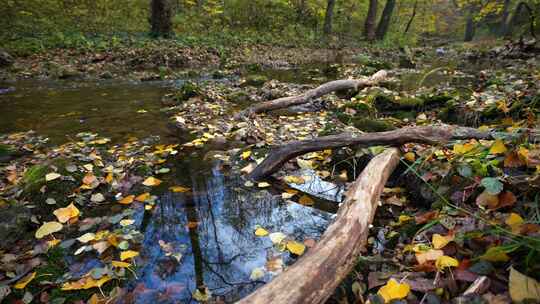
x=179, y=189
x=21, y=284
x=87, y=237
x=277, y=237
x=430, y=255
x=127, y=200
x=306, y=200
x=445, y=262
x=256, y=274
x=292, y=179
x=410, y=156
x=515, y=221
x=151, y=181
x=143, y=197
x=263, y=185
x=120, y=264
x=495, y=254
x=439, y=241
x=261, y=232
x=246, y=154
x=86, y=282
x=48, y=228
x=65, y=214
x=52, y=176
x=89, y=179
x=128, y=254
x=522, y=287
x=296, y=247
x=394, y=290
x=498, y=147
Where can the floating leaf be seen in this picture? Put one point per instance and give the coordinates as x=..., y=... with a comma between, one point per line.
x=48, y=228
x=127, y=200
x=143, y=197
x=151, y=181
x=246, y=154
x=51, y=176
x=409, y=156
x=522, y=287
x=179, y=189
x=261, y=232
x=277, y=237
x=89, y=179
x=202, y=295
x=21, y=284
x=394, y=290
x=120, y=264
x=263, y=185
x=306, y=200
x=498, y=147
x=97, y=198
x=446, y=262
x=128, y=254
x=65, y=214
x=100, y=247
x=126, y=222
x=256, y=274
x=296, y=247
x=86, y=282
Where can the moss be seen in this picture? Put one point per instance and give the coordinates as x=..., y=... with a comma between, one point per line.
x=361, y=108
x=329, y=129
x=410, y=115
x=255, y=80
x=388, y=103
x=238, y=97
x=188, y=90
x=372, y=125
x=34, y=178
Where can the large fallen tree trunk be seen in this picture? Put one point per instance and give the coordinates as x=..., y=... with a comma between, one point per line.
x=327, y=88
x=314, y=277
x=427, y=134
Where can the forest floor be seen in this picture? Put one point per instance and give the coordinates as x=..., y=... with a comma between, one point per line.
x=457, y=222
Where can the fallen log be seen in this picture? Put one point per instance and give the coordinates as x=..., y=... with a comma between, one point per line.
x=329, y=87
x=315, y=276
x=435, y=134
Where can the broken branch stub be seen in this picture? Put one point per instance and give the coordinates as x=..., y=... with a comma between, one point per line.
x=315, y=276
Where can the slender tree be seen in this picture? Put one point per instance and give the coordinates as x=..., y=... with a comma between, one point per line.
x=470, y=26
x=327, y=28
x=412, y=17
x=161, y=18
x=369, y=26
x=384, y=22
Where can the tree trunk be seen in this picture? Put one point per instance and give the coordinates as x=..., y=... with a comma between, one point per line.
x=161, y=18
x=503, y=25
x=327, y=28
x=384, y=22
x=436, y=134
x=520, y=8
x=470, y=27
x=412, y=18
x=369, y=26
x=315, y=276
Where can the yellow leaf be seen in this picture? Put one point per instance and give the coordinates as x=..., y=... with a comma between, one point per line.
x=522, y=287
x=151, y=181
x=143, y=197
x=109, y=178
x=514, y=220
x=126, y=222
x=24, y=281
x=51, y=176
x=246, y=154
x=128, y=254
x=86, y=282
x=306, y=200
x=410, y=156
x=394, y=290
x=263, y=185
x=464, y=148
x=48, y=228
x=445, y=262
x=65, y=214
x=53, y=243
x=120, y=264
x=439, y=241
x=296, y=247
x=291, y=179
x=495, y=254
x=404, y=218
x=261, y=232
x=430, y=255
x=87, y=237
x=180, y=189
x=127, y=200
x=498, y=147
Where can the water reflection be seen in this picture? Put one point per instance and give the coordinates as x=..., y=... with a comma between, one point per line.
x=210, y=235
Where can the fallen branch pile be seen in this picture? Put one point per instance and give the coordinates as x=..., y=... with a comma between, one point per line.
x=314, y=277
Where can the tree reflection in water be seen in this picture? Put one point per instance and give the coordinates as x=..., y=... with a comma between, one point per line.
x=213, y=229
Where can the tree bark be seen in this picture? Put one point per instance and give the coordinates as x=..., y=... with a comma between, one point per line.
x=412, y=18
x=470, y=27
x=503, y=25
x=161, y=18
x=427, y=134
x=328, y=18
x=384, y=22
x=517, y=14
x=314, y=277
x=329, y=87
x=369, y=26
